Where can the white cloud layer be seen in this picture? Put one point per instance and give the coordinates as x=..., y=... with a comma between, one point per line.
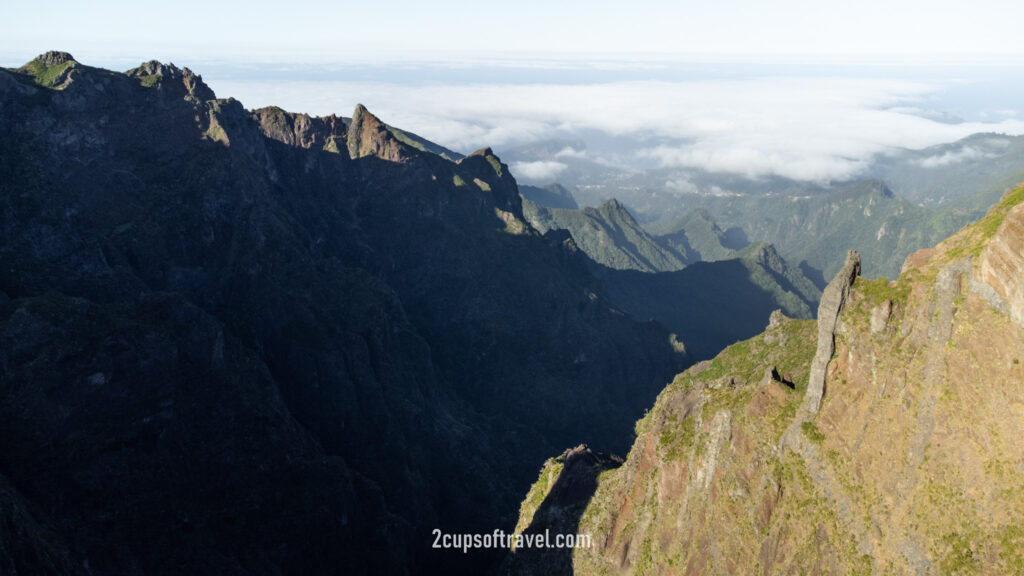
x=570, y=152
x=542, y=170
x=806, y=128
x=955, y=157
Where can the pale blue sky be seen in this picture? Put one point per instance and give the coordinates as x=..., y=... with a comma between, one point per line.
x=806, y=89
x=304, y=30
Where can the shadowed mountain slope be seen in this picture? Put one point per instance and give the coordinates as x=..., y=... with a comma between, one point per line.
x=267, y=343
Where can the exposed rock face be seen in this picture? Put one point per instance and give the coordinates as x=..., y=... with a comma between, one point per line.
x=301, y=130
x=183, y=80
x=368, y=136
x=880, y=316
x=489, y=172
x=54, y=58
x=1001, y=264
x=911, y=464
x=833, y=300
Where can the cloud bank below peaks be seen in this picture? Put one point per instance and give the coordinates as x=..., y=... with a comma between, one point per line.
x=807, y=128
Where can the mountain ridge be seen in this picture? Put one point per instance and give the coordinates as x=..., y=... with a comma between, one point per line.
x=901, y=456
x=281, y=356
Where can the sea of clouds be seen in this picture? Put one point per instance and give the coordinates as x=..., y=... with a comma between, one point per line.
x=819, y=127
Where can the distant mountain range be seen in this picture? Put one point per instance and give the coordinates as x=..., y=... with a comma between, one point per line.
x=708, y=305
x=610, y=236
x=909, y=199
x=262, y=342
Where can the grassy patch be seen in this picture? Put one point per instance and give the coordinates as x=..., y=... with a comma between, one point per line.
x=216, y=133
x=811, y=431
x=959, y=559
x=1011, y=549
x=978, y=234
x=151, y=80
x=747, y=360
x=494, y=164
x=879, y=290
x=539, y=491
x=677, y=438
x=994, y=219
x=46, y=75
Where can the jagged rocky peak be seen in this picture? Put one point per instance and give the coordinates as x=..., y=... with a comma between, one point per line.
x=765, y=254
x=229, y=123
x=492, y=175
x=488, y=155
x=613, y=207
x=55, y=58
x=170, y=76
x=485, y=152
x=51, y=69
x=302, y=130
x=369, y=136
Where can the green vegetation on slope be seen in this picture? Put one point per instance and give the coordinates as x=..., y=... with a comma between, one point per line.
x=817, y=229
x=550, y=196
x=911, y=464
x=699, y=234
x=49, y=69
x=424, y=145
x=609, y=235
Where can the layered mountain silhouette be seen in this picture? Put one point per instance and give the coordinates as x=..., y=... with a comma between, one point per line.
x=707, y=304
x=610, y=236
x=904, y=201
x=260, y=342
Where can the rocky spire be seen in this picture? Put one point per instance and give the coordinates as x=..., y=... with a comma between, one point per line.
x=832, y=302
x=368, y=136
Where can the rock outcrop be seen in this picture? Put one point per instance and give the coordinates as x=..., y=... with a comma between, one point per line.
x=553, y=507
x=302, y=130
x=1001, y=264
x=183, y=81
x=833, y=300
x=368, y=136
x=880, y=316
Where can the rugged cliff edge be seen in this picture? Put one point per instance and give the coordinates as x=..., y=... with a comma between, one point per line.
x=1001, y=264
x=910, y=465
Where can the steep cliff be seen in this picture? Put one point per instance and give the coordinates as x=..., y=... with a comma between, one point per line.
x=911, y=464
x=1001, y=264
